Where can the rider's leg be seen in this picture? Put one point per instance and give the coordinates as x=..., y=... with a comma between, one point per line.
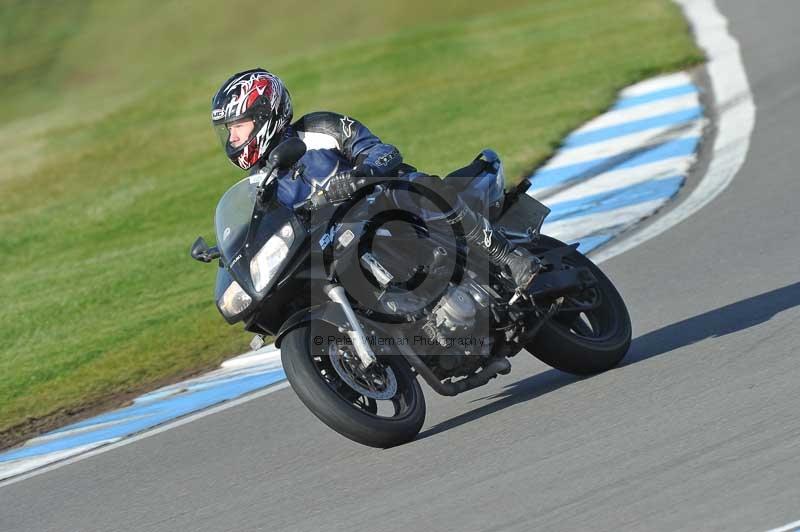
x=480, y=233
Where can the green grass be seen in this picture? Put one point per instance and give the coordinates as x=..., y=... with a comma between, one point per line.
x=110, y=168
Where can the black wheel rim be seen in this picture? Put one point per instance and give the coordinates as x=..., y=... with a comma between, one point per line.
x=398, y=406
x=593, y=316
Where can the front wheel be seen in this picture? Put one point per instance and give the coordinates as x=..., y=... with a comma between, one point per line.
x=593, y=332
x=380, y=408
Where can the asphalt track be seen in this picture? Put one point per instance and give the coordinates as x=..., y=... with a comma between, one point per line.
x=699, y=430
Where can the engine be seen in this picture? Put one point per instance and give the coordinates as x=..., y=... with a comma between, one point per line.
x=459, y=322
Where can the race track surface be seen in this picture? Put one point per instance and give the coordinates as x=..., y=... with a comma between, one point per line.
x=699, y=430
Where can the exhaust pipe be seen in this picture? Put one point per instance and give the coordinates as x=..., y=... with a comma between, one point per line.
x=498, y=366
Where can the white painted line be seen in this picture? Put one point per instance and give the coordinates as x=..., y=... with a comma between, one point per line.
x=149, y=433
x=575, y=228
x=620, y=145
x=786, y=528
x=266, y=355
x=736, y=110
x=640, y=112
x=17, y=467
x=658, y=168
x=58, y=434
x=657, y=84
x=608, y=181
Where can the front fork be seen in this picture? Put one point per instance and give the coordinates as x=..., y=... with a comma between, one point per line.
x=356, y=334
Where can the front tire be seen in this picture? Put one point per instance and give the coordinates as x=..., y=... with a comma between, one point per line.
x=585, y=343
x=353, y=413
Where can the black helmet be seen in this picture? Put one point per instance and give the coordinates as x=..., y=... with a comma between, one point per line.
x=254, y=97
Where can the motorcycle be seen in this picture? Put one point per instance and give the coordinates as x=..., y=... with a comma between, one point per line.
x=366, y=296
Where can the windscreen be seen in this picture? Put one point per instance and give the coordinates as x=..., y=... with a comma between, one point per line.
x=232, y=218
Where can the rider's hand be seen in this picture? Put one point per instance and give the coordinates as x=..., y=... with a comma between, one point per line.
x=341, y=187
x=317, y=200
x=363, y=170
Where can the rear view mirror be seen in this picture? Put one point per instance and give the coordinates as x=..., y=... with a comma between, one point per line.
x=287, y=153
x=200, y=251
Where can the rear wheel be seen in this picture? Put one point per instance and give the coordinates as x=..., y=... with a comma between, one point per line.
x=382, y=407
x=593, y=331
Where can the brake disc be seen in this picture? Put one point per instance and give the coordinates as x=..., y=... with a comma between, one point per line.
x=379, y=382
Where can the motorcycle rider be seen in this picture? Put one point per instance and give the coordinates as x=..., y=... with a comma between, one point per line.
x=252, y=113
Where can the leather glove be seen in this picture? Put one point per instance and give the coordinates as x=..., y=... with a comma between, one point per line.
x=317, y=201
x=364, y=170
x=341, y=187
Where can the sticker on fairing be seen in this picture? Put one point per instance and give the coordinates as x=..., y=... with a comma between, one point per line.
x=346, y=238
x=327, y=238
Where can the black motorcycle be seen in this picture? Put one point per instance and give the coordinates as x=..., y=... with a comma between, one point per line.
x=364, y=296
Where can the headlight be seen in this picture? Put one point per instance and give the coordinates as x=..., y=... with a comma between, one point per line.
x=268, y=260
x=234, y=301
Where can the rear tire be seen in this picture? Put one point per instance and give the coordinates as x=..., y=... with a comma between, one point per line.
x=589, y=342
x=342, y=408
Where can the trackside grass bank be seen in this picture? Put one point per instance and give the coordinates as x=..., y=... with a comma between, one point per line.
x=110, y=168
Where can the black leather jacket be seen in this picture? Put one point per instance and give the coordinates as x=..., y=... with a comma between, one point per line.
x=335, y=143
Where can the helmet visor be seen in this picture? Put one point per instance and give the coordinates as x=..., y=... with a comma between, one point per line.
x=235, y=134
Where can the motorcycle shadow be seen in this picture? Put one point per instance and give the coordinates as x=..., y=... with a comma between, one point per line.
x=715, y=323
x=517, y=392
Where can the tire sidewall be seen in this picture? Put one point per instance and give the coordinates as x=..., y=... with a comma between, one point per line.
x=556, y=346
